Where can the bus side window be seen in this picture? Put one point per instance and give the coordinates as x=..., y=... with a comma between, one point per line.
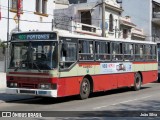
x=117, y=51
x=68, y=54
x=102, y=51
x=147, y=52
x=128, y=51
x=86, y=52
x=154, y=52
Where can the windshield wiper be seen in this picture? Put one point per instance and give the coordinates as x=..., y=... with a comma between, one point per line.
x=19, y=66
x=16, y=68
x=36, y=66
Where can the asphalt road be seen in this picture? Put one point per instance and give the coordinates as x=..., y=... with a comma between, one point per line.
x=133, y=103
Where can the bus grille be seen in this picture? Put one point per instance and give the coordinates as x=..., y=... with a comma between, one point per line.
x=28, y=92
x=26, y=85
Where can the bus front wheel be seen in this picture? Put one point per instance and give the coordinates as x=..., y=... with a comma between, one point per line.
x=137, y=82
x=85, y=89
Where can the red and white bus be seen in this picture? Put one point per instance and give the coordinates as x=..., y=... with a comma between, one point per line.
x=58, y=64
x=158, y=50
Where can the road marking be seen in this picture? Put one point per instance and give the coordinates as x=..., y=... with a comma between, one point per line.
x=122, y=102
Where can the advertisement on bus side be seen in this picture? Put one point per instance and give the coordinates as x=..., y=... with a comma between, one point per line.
x=115, y=67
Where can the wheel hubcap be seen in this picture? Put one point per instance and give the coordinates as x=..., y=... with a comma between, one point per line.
x=138, y=82
x=85, y=87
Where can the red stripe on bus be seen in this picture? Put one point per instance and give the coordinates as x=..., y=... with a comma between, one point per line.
x=27, y=73
x=89, y=63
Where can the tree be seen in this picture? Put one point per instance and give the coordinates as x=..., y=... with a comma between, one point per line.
x=2, y=44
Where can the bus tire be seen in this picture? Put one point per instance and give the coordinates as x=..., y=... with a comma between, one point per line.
x=85, y=89
x=137, y=82
x=158, y=78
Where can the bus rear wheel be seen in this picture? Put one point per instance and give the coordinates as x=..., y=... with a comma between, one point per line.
x=85, y=89
x=137, y=82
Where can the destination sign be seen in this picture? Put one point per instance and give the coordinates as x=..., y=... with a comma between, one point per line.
x=34, y=36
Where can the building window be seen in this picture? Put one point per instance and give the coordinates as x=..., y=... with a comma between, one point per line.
x=82, y=1
x=111, y=23
x=14, y=5
x=125, y=33
x=41, y=6
x=86, y=17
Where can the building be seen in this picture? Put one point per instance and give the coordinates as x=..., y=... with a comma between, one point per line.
x=128, y=30
x=146, y=15
x=85, y=17
x=35, y=15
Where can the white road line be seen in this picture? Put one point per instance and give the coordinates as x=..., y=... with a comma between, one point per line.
x=122, y=102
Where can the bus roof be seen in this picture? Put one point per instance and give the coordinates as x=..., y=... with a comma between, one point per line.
x=68, y=34
x=65, y=34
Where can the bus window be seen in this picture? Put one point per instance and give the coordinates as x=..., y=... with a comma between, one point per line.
x=117, y=51
x=86, y=50
x=102, y=51
x=128, y=51
x=158, y=49
x=139, y=52
x=154, y=52
x=68, y=54
x=148, y=55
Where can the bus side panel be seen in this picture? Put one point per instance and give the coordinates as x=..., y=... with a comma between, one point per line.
x=112, y=81
x=126, y=79
x=69, y=86
x=149, y=76
x=104, y=82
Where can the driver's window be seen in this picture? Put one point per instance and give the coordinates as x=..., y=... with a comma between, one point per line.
x=68, y=54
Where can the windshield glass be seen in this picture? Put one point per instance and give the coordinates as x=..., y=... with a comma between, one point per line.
x=38, y=55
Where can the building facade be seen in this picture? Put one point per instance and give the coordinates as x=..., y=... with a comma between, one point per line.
x=146, y=15
x=34, y=15
x=85, y=16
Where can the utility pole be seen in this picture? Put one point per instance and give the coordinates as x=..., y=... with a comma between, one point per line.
x=103, y=18
x=6, y=50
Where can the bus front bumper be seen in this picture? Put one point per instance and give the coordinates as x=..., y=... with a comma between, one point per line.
x=34, y=92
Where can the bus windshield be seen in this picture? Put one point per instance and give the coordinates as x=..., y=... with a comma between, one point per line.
x=39, y=55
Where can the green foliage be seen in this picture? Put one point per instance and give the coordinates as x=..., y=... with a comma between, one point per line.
x=2, y=44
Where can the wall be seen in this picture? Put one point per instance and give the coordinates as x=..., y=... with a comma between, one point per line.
x=28, y=15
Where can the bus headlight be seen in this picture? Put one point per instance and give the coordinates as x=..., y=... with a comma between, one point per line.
x=13, y=85
x=44, y=86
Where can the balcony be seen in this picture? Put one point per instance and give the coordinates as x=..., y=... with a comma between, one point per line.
x=156, y=14
x=156, y=18
x=87, y=29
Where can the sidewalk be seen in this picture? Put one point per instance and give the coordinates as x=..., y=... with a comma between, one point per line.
x=2, y=81
x=7, y=97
